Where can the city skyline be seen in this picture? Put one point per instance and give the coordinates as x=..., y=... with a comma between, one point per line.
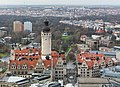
x=59, y=2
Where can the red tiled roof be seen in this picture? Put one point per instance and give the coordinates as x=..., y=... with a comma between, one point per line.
x=54, y=54
x=27, y=52
x=100, y=31
x=89, y=58
x=80, y=60
x=32, y=50
x=88, y=55
x=47, y=63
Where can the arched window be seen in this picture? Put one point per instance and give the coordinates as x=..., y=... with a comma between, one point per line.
x=18, y=67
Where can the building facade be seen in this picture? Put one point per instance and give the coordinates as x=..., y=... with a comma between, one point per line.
x=59, y=70
x=89, y=64
x=93, y=44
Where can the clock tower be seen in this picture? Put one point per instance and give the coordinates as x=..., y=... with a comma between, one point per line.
x=46, y=41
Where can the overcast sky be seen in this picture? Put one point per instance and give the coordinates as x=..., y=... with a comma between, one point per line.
x=59, y=2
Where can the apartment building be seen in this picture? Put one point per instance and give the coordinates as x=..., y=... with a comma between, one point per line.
x=17, y=26
x=93, y=44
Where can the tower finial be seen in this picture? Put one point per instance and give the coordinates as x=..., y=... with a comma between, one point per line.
x=46, y=22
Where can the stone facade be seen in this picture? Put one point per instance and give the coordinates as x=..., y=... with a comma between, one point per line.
x=59, y=70
x=46, y=43
x=39, y=67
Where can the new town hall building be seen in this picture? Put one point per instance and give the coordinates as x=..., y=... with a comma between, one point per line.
x=31, y=60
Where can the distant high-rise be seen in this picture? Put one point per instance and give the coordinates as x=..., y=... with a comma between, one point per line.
x=17, y=26
x=28, y=26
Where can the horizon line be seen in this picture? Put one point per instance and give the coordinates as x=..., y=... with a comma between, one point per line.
x=54, y=5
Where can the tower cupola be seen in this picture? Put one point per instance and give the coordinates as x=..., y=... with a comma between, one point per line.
x=46, y=28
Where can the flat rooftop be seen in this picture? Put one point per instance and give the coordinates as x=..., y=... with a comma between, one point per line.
x=93, y=81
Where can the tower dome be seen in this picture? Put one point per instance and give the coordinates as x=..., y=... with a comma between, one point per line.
x=46, y=29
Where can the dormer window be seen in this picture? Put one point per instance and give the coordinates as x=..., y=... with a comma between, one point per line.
x=102, y=63
x=24, y=66
x=84, y=65
x=14, y=66
x=95, y=65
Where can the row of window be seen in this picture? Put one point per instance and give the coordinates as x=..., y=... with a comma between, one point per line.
x=88, y=74
x=59, y=75
x=58, y=71
x=95, y=67
x=20, y=72
x=5, y=85
x=46, y=34
x=58, y=78
x=58, y=68
x=26, y=53
x=84, y=72
x=19, y=67
x=40, y=68
x=85, y=75
x=38, y=71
